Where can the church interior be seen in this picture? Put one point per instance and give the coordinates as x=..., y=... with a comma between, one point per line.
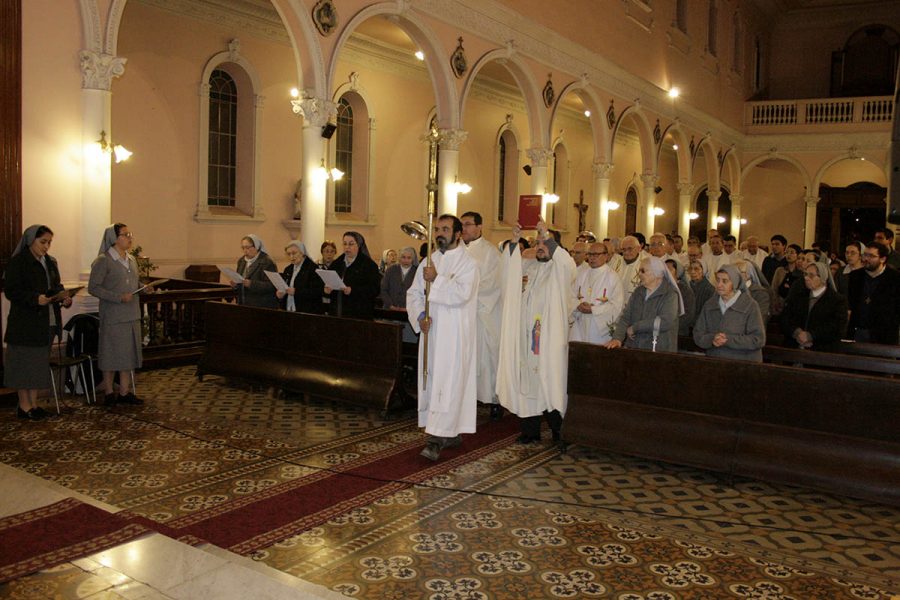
x=303, y=119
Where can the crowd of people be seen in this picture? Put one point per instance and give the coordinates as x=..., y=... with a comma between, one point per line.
x=499, y=320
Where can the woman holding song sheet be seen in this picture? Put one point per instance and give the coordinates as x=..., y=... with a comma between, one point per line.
x=360, y=276
x=255, y=289
x=35, y=294
x=304, y=287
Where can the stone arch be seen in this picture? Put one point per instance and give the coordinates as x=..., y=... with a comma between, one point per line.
x=777, y=156
x=683, y=154
x=849, y=155
x=537, y=123
x=732, y=165
x=421, y=34
x=599, y=130
x=90, y=25
x=645, y=135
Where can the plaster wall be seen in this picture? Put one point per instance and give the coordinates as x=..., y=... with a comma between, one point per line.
x=773, y=202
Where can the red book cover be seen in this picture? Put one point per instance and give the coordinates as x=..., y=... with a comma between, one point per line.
x=529, y=210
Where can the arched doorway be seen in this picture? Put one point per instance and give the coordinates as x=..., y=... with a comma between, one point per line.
x=849, y=214
x=698, y=225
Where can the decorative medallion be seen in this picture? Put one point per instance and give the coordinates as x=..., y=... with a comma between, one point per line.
x=657, y=133
x=611, y=115
x=458, y=61
x=549, y=94
x=325, y=17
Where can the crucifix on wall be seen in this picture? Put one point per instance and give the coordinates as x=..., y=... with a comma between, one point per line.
x=582, y=210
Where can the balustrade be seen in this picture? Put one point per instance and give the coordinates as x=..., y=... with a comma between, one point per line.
x=819, y=111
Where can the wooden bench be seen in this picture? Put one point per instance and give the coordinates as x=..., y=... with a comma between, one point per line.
x=350, y=360
x=827, y=430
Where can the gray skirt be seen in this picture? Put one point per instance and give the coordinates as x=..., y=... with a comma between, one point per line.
x=27, y=367
x=120, y=346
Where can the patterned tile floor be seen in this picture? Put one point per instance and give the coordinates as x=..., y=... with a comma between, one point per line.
x=521, y=522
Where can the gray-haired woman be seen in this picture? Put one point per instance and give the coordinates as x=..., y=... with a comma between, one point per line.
x=730, y=324
x=115, y=280
x=255, y=289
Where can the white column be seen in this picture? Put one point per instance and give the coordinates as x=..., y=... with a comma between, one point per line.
x=539, y=158
x=448, y=170
x=685, y=194
x=712, y=208
x=97, y=72
x=315, y=112
x=649, y=223
x=736, y=216
x=601, y=198
x=809, y=234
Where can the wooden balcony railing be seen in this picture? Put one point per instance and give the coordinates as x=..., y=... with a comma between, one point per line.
x=172, y=320
x=877, y=109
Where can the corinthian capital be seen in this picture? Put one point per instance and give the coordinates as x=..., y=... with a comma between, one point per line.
x=315, y=111
x=601, y=170
x=98, y=70
x=649, y=180
x=685, y=188
x=811, y=201
x=539, y=156
x=736, y=199
x=452, y=139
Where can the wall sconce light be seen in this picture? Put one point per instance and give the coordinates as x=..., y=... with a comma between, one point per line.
x=549, y=198
x=323, y=174
x=743, y=221
x=420, y=55
x=674, y=92
x=659, y=211
x=612, y=205
x=119, y=152
x=460, y=187
x=693, y=216
x=720, y=219
x=587, y=113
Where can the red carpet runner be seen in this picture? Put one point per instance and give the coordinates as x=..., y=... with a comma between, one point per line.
x=70, y=529
x=51, y=535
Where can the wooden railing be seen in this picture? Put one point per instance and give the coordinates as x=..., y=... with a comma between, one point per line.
x=819, y=111
x=172, y=320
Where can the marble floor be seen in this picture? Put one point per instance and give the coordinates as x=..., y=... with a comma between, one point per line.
x=513, y=522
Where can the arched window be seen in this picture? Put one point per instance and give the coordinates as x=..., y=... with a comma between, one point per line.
x=631, y=201
x=867, y=65
x=560, y=182
x=507, y=174
x=681, y=15
x=738, y=58
x=343, y=199
x=228, y=181
x=223, y=112
x=711, y=31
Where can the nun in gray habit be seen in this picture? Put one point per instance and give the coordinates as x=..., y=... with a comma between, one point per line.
x=730, y=324
x=115, y=280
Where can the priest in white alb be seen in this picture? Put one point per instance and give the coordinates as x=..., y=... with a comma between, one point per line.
x=487, y=352
x=534, y=338
x=598, y=291
x=447, y=394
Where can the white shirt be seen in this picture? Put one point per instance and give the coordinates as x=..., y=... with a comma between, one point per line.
x=602, y=289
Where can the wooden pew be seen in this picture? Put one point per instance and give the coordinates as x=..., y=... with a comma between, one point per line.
x=354, y=361
x=832, y=431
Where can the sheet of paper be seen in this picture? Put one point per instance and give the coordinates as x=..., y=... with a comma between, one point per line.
x=277, y=280
x=60, y=296
x=232, y=275
x=154, y=283
x=331, y=279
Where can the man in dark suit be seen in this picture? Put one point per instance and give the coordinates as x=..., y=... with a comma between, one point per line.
x=874, y=298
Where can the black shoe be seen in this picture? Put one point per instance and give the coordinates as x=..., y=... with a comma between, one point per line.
x=110, y=400
x=41, y=413
x=432, y=451
x=496, y=412
x=450, y=442
x=528, y=439
x=556, y=435
x=31, y=414
x=130, y=398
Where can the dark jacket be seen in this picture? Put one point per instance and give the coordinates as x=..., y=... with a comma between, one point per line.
x=826, y=322
x=260, y=292
x=364, y=281
x=29, y=323
x=883, y=306
x=394, y=286
x=703, y=291
x=308, y=287
x=686, y=321
x=742, y=323
x=640, y=313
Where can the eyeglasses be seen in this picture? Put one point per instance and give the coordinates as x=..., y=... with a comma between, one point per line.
x=127, y=235
x=243, y=247
x=657, y=244
x=597, y=253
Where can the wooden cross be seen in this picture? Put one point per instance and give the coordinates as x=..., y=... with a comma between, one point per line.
x=582, y=209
